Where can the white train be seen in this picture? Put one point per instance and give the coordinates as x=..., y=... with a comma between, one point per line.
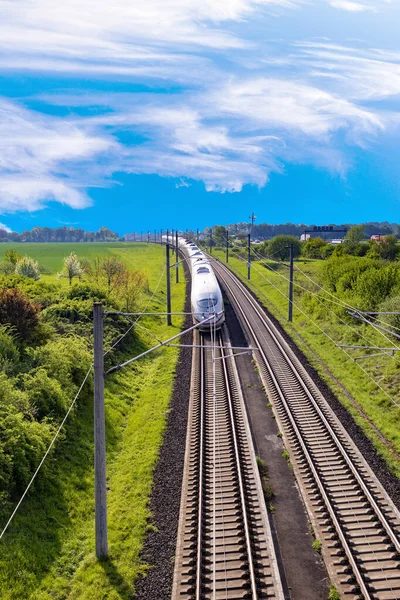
x=206, y=298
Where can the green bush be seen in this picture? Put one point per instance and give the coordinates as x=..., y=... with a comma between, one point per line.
x=9, y=353
x=46, y=395
x=17, y=310
x=23, y=441
x=27, y=267
x=66, y=360
x=313, y=248
x=278, y=247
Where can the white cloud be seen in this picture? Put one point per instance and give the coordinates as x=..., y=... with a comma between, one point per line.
x=351, y=6
x=44, y=158
x=5, y=228
x=226, y=123
x=118, y=36
x=357, y=74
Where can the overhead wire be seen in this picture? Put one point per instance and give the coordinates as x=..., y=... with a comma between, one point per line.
x=338, y=302
x=330, y=338
x=69, y=411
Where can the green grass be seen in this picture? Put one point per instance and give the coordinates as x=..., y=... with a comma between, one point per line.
x=48, y=552
x=380, y=417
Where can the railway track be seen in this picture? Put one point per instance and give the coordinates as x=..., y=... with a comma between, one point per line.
x=224, y=548
x=350, y=511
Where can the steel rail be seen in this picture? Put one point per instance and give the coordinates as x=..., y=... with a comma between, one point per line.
x=226, y=274
x=239, y=474
x=201, y=463
x=224, y=547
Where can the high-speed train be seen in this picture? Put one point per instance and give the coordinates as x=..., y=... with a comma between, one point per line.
x=207, y=304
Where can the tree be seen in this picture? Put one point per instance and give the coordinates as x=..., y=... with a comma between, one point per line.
x=219, y=235
x=18, y=311
x=354, y=236
x=27, y=267
x=129, y=287
x=113, y=269
x=12, y=256
x=278, y=247
x=388, y=247
x=72, y=268
x=313, y=248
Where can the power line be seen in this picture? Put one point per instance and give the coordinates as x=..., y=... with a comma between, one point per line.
x=69, y=411
x=47, y=452
x=331, y=339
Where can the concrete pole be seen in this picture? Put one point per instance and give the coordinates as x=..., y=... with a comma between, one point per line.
x=176, y=257
x=248, y=257
x=290, y=313
x=99, y=435
x=211, y=241
x=227, y=248
x=167, y=267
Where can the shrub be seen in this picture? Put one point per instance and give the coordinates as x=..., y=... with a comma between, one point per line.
x=327, y=251
x=278, y=247
x=23, y=440
x=46, y=394
x=391, y=305
x=28, y=267
x=12, y=257
x=313, y=247
x=9, y=353
x=66, y=360
x=18, y=311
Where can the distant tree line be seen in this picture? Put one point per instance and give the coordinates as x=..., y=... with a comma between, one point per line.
x=59, y=234
x=265, y=231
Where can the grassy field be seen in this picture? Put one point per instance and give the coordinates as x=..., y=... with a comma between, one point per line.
x=371, y=383
x=48, y=552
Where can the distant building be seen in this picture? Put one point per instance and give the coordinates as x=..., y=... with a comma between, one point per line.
x=304, y=237
x=335, y=242
x=377, y=238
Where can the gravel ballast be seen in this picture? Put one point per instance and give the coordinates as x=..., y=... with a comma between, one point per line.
x=380, y=468
x=159, y=547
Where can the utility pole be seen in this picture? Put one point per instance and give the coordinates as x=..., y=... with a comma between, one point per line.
x=161, y=236
x=148, y=237
x=172, y=242
x=167, y=268
x=211, y=240
x=99, y=435
x=248, y=257
x=167, y=236
x=290, y=314
x=227, y=247
x=176, y=257
x=197, y=238
x=252, y=218
x=155, y=236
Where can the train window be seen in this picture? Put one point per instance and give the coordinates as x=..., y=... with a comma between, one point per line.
x=209, y=302
x=203, y=270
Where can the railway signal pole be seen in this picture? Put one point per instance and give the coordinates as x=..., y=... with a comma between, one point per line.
x=167, y=268
x=248, y=256
x=290, y=313
x=227, y=247
x=99, y=435
x=211, y=241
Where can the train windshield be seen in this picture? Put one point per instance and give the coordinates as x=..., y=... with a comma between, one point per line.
x=208, y=302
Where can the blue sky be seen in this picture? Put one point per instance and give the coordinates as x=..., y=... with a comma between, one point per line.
x=186, y=113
